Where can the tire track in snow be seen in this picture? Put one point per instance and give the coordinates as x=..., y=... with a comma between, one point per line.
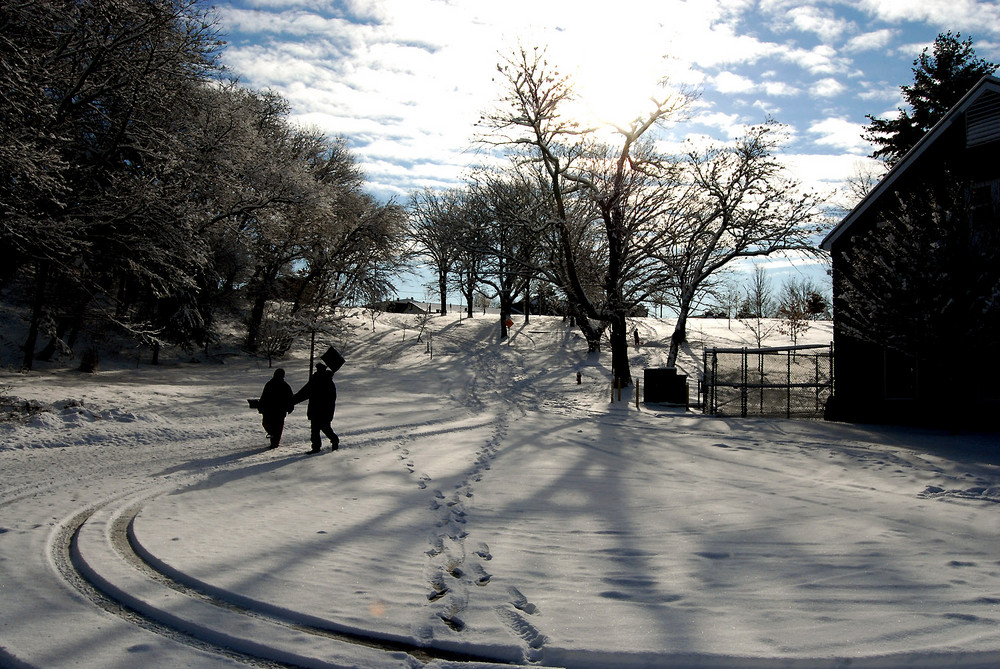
x=79, y=573
x=65, y=557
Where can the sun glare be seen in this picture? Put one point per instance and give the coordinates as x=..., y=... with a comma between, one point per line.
x=614, y=95
x=613, y=81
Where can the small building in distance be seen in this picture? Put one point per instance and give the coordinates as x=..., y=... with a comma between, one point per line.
x=407, y=306
x=916, y=280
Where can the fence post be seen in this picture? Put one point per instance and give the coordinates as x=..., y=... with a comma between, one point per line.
x=816, y=381
x=788, y=394
x=715, y=382
x=743, y=385
x=703, y=383
x=831, y=368
x=760, y=371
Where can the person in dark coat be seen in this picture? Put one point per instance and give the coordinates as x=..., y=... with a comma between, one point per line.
x=321, y=392
x=274, y=403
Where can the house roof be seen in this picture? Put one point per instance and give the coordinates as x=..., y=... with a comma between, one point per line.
x=984, y=85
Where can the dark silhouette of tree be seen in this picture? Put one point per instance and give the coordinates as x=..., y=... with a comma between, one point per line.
x=742, y=204
x=926, y=278
x=142, y=191
x=436, y=223
x=95, y=97
x=625, y=184
x=941, y=77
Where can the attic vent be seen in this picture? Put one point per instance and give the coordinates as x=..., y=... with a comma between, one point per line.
x=982, y=121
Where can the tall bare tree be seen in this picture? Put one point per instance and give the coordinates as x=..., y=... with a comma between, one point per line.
x=758, y=308
x=509, y=248
x=436, y=221
x=741, y=204
x=617, y=180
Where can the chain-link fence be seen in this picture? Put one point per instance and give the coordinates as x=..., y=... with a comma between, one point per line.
x=791, y=381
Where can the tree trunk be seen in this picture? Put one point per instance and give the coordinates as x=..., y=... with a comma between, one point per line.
x=620, y=368
x=37, y=307
x=505, y=310
x=253, y=324
x=443, y=287
x=679, y=335
x=527, y=304
x=590, y=333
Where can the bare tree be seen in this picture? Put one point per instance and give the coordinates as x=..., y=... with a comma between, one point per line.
x=436, y=221
x=926, y=278
x=277, y=331
x=729, y=296
x=470, y=259
x=509, y=243
x=794, y=302
x=758, y=306
x=617, y=181
x=741, y=204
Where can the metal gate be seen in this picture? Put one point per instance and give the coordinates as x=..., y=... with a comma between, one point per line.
x=789, y=381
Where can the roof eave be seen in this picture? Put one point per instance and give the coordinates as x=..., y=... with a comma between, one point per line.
x=911, y=156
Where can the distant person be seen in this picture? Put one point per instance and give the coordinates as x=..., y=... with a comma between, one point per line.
x=635, y=334
x=322, y=395
x=274, y=403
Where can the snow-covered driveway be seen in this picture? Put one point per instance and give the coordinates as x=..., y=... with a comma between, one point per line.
x=485, y=506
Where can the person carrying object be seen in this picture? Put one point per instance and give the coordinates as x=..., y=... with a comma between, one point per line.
x=321, y=392
x=274, y=404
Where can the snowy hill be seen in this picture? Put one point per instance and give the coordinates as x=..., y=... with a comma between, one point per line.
x=483, y=508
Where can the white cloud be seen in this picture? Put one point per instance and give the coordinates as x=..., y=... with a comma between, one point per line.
x=779, y=88
x=767, y=108
x=822, y=22
x=732, y=83
x=880, y=91
x=965, y=15
x=406, y=80
x=827, y=88
x=730, y=125
x=822, y=59
x=821, y=172
x=877, y=39
x=840, y=134
x=727, y=82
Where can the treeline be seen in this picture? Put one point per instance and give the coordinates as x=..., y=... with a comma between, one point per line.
x=145, y=192
x=605, y=219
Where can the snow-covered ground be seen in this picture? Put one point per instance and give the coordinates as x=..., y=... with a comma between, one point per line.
x=484, y=508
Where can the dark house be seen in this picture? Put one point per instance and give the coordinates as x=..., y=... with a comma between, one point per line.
x=916, y=280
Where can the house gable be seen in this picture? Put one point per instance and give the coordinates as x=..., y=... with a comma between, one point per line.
x=979, y=110
x=916, y=269
x=982, y=120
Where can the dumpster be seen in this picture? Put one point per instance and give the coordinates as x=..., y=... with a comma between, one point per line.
x=663, y=385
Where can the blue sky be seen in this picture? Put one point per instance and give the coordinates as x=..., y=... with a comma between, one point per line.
x=406, y=80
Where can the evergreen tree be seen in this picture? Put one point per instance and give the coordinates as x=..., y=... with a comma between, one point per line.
x=940, y=78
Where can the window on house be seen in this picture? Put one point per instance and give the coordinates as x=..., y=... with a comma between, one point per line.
x=985, y=196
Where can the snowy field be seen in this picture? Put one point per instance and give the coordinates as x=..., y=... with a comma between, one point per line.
x=483, y=509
